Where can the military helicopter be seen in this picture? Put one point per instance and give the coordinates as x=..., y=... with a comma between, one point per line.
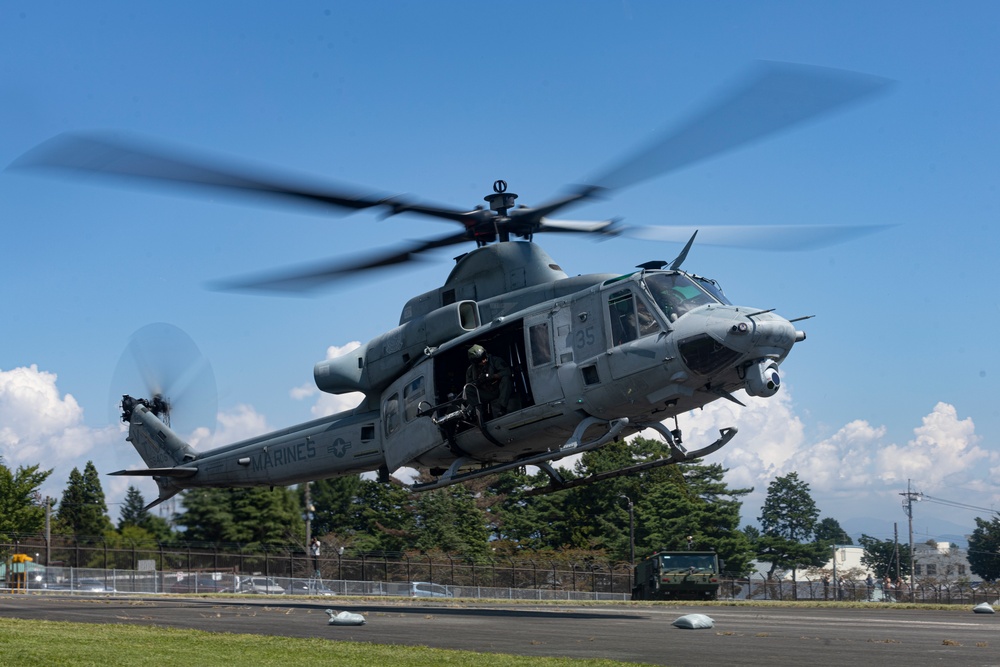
x=511, y=362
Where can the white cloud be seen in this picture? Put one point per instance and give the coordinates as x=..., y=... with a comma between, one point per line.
x=944, y=448
x=38, y=425
x=240, y=423
x=770, y=436
x=855, y=470
x=330, y=404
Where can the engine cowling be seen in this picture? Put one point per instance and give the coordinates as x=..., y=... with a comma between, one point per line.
x=371, y=367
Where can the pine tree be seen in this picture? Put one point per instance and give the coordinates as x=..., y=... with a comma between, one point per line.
x=268, y=516
x=246, y=516
x=669, y=503
x=884, y=557
x=984, y=549
x=788, y=522
x=449, y=520
x=21, y=511
x=694, y=504
x=382, y=518
x=207, y=516
x=334, y=500
x=82, y=510
x=829, y=532
x=133, y=511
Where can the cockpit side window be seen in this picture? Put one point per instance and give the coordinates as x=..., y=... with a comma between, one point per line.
x=630, y=317
x=676, y=294
x=621, y=311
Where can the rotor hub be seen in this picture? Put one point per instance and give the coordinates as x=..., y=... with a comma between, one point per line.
x=501, y=200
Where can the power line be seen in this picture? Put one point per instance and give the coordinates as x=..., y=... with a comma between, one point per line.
x=955, y=504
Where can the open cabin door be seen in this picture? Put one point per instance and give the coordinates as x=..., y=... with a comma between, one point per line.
x=506, y=342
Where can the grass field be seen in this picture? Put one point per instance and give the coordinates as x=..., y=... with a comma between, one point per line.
x=53, y=644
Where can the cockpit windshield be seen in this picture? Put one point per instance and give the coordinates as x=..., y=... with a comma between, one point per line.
x=676, y=293
x=712, y=288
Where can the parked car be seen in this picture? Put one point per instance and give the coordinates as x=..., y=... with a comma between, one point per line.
x=201, y=584
x=94, y=585
x=83, y=585
x=423, y=589
x=260, y=585
x=307, y=587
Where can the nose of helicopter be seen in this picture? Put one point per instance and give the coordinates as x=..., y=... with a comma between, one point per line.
x=712, y=338
x=770, y=335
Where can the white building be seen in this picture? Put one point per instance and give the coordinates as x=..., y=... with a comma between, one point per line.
x=940, y=562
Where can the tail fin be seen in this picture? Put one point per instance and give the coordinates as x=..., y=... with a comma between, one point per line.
x=158, y=446
x=161, y=449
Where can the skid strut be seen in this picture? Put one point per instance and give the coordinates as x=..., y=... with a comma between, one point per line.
x=677, y=455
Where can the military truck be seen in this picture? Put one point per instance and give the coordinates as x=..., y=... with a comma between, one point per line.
x=678, y=575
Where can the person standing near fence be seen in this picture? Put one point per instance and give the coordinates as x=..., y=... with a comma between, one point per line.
x=314, y=550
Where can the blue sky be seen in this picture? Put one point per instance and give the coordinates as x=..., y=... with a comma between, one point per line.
x=439, y=99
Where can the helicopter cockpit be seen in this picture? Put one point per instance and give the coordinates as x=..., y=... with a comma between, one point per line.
x=676, y=293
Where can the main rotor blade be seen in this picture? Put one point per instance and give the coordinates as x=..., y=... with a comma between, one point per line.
x=142, y=161
x=774, y=97
x=309, y=279
x=759, y=237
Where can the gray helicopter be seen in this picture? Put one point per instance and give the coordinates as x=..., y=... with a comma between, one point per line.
x=511, y=362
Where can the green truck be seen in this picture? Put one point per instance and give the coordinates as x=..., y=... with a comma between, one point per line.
x=678, y=575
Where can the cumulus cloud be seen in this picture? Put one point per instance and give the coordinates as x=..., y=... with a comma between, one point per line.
x=769, y=438
x=39, y=425
x=944, y=449
x=855, y=469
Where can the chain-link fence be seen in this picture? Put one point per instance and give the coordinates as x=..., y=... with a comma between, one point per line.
x=65, y=560
x=95, y=565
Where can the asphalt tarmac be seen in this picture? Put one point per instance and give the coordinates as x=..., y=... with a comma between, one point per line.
x=773, y=636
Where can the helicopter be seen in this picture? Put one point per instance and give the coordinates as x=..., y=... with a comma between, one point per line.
x=580, y=361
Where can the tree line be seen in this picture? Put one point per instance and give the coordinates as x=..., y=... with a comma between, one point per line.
x=675, y=507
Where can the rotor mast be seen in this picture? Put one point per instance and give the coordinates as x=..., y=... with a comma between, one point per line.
x=500, y=201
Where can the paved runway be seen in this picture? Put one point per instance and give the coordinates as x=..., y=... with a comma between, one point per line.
x=778, y=636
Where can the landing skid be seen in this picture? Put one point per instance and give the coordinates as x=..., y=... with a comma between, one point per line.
x=677, y=455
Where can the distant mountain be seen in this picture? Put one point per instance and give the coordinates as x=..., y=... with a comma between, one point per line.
x=926, y=529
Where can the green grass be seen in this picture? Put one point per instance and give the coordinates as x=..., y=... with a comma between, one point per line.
x=26, y=643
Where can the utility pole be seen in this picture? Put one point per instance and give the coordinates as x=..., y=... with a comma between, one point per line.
x=631, y=531
x=48, y=529
x=908, y=499
x=309, y=515
x=895, y=548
